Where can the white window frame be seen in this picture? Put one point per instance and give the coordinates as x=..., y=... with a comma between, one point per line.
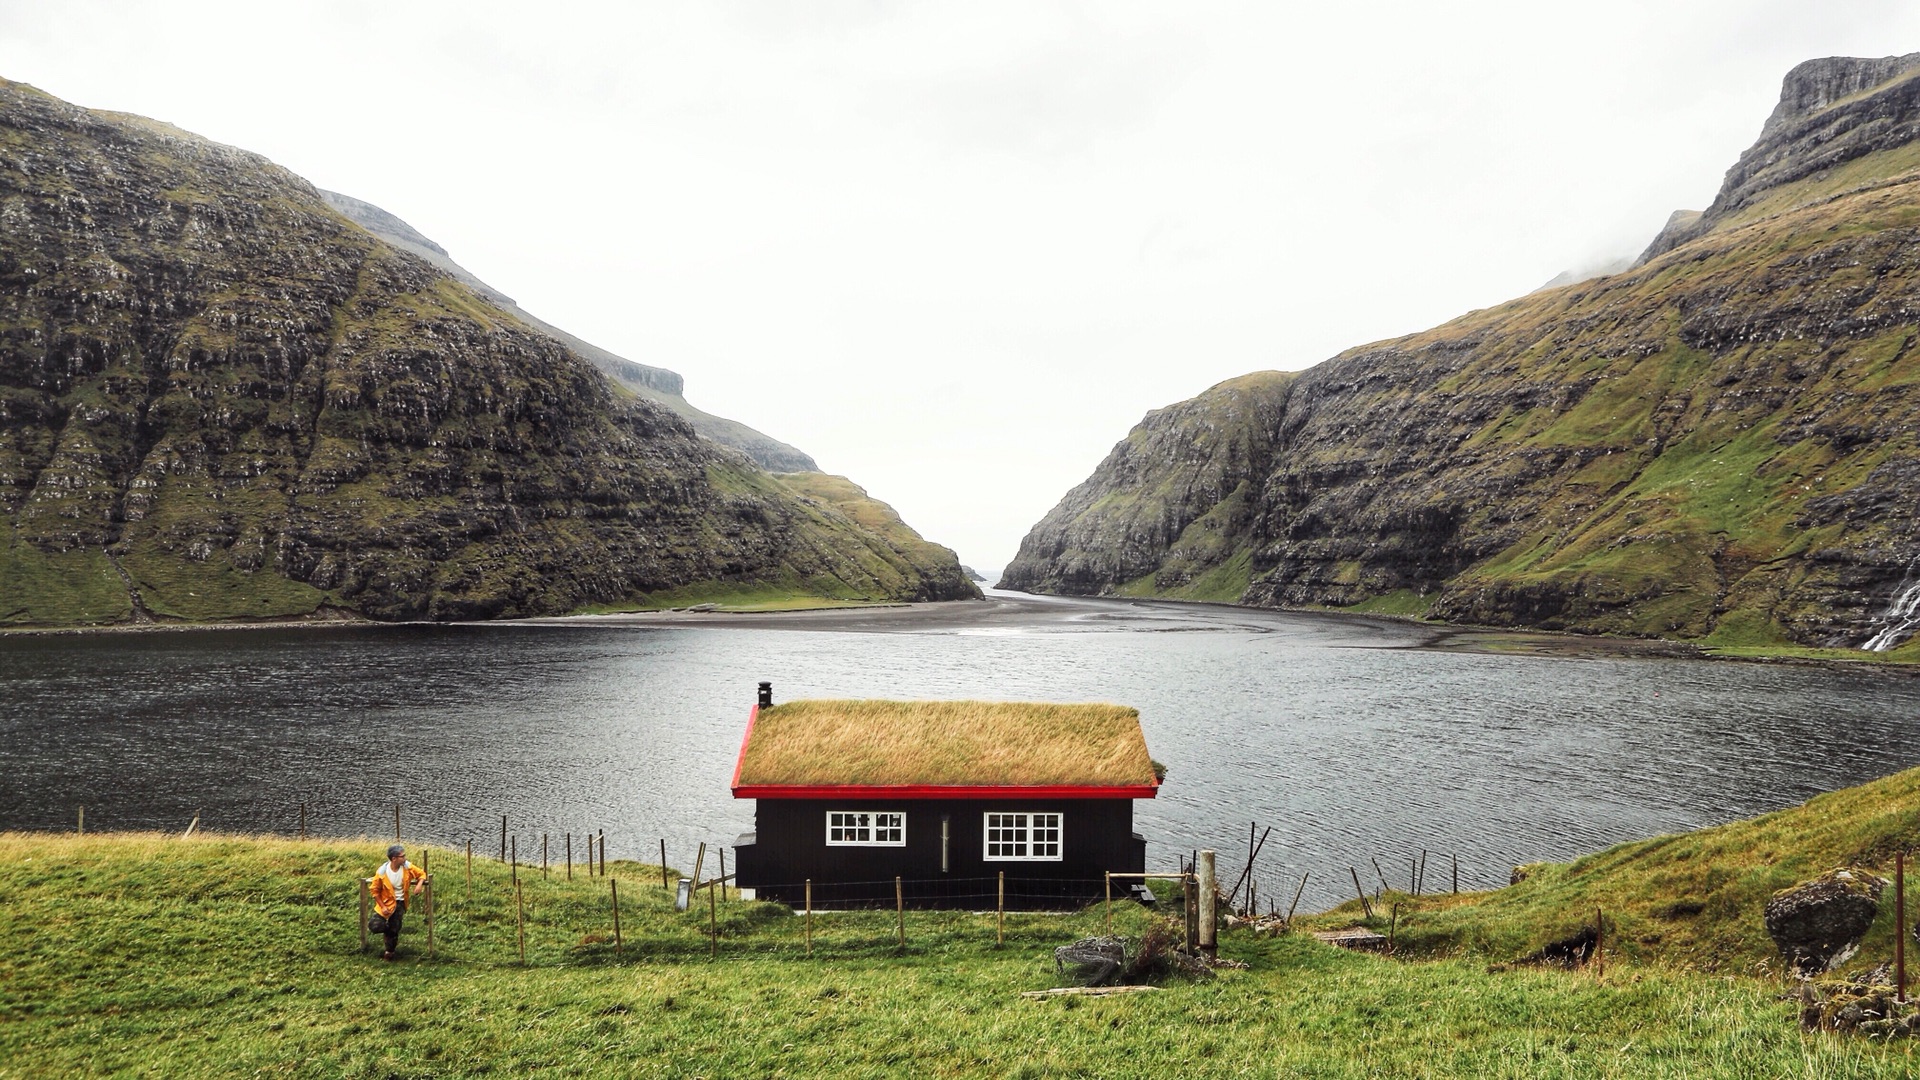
x=1022, y=836
x=858, y=828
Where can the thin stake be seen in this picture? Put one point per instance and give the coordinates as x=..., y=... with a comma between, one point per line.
x=1000, y=912
x=663, y=862
x=1393, y=921
x=396, y=821
x=723, y=873
x=1109, y=903
x=82, y=828
x=503, y=838
x=1413, y=876
x=713, y=926
x=1456, y=874
x=1378, y=874
x=900, y=909
x=1599, y=944
x=425, y=854
x=303, y=821
x=515, y=850
x=520, y=919
x=699, y=858
x=469, y=868
x=1421, y=883
x=603, y=853
x=1900, y=926
x=809, y=913
x=569, y=856
x=191, y=825
x=614, y=885
x=543, y=855
x=1362, y=893
x=1296, y=898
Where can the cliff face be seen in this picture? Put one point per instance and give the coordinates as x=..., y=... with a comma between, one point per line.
x=1722, y=443
x=656, y=384
x=220, y=399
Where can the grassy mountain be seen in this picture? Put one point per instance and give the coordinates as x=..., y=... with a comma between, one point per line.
x=1717, y=444
x=656, y=384
x=219, y=398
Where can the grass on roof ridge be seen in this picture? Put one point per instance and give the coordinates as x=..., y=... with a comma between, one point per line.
x=987, y=743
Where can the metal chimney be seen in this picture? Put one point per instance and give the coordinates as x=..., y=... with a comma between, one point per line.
x=766, y=695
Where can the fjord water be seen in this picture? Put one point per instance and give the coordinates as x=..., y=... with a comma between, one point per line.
x=1344, y=734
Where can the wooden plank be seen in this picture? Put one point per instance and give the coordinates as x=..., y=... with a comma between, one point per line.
x=1087, y=991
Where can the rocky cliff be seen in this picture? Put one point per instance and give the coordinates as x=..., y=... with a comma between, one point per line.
x=219, y=398
x=656, y=384
x=1722, y=443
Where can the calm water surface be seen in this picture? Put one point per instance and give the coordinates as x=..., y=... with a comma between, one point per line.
x=1339, y=732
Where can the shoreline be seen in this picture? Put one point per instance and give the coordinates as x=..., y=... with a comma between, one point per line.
x=1005, y=611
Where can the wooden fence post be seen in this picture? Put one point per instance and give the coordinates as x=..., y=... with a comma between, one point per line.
x=569, y=856
x=603, y=853
x=1360, y=892
x=503, y=838
x=1296, y=899
x=723, y=872
x=809, y=912
x=1209, y=904
x=191, y=825
x=900, y=909
x=469, y=868
x=1109, y=903
x=514, y=859
x=1000, y=912
x=543, y=856
x=1456, y=873
x=1393, y=923
x=613, y=884
x=520, y=919
x=396, y=821
x=1900, y=926
x=81, y=828
x=663, y=862
x=699, y=859
x=1600, y=943
x=428, y=889
x=363, y=914
x=1376, y=873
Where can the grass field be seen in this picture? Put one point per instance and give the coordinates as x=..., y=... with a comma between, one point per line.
x=139, y=954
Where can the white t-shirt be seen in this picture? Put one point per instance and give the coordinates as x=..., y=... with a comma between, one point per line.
x=396, y=878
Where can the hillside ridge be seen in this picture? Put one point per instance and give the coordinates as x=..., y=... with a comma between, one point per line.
x=1718, y=444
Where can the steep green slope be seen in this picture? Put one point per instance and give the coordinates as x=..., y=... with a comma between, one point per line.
x=656, y=384
x=1689, y=899
x=220, y=399
x=1718, y=444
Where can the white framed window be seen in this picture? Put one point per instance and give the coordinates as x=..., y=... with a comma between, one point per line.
x=866, y=828
x=1023, y=837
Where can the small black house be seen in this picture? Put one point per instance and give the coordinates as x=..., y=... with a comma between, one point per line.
x=947, y=796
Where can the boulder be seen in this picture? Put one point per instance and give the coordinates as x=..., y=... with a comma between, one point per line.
x=1818, y=924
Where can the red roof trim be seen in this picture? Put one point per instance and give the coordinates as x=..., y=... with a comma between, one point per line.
x=938, y=791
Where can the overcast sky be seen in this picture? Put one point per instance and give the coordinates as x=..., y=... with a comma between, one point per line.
x=954, y=251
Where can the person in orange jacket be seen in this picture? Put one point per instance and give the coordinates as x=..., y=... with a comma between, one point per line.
x=396, y=882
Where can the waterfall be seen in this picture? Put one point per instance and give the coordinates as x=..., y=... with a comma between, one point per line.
x=1899, y=621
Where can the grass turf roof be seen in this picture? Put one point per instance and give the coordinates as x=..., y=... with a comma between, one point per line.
x=945, y=743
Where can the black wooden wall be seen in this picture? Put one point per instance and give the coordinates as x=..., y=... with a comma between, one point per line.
x=789, y=846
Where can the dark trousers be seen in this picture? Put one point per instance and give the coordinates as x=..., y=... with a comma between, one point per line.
x=393, y=926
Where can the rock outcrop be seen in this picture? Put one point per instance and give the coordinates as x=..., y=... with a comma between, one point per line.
x=656, y=384
x=1717, y=444
x=1818, y=924
x=221, y=399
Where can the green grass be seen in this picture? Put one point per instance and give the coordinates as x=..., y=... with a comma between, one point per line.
x=223, y=955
